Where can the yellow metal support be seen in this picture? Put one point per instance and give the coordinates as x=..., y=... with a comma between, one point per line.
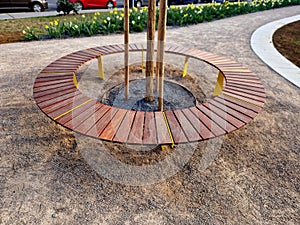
x=143, y=62
x=219, y=84
x=185, y=66
x=75, y=80
x=100, y=68
x=169, y=130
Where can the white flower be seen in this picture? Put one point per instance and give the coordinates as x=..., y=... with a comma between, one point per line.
x=133, y=22
x=138, y=17
x=108, y=18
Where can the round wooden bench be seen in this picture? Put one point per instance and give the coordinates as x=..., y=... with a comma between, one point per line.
x=239, y=96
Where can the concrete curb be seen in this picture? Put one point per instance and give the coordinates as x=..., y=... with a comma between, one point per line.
x=262, y=45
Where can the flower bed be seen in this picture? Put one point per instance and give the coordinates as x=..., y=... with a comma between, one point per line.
x=112, y=22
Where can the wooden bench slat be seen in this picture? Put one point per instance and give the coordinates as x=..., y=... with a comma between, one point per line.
x=125, y=127
x=241, y=98
x=111, y=129
x=49, y=83
x=238, y=83
x=243, y=94
x=242, y=77
x=210, y=124
x=136, y=133
x=59, y=99
x=236, y=106
x=198, y=125
x=89, y=119
x=56, y=110
x=244, y=87
x=240, y=116
x=246, y=91
x=176, y=130
x=53, y=107
x=45, y=88
x=45, y=79
x=187, y=127
x=242, y=103
x=51, y=91
x=248, y=81
x=74, y=117
x=101, y=124
x=163, y=135
x=224, y=124
x=225, y=115
x=149, y=129
x=54, y=75
x=54, y=94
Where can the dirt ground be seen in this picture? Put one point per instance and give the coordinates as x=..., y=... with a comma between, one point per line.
x=50, y=175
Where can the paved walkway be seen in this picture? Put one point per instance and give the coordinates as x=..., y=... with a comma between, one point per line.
x=262, y=45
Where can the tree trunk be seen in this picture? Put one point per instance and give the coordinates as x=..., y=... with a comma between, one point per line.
x=150, y=51
x=160, y=52
x=126, y=43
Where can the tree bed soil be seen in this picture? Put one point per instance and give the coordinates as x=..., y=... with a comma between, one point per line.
x=287, y=41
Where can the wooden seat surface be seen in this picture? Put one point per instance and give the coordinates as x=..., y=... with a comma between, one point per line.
x=56, y=94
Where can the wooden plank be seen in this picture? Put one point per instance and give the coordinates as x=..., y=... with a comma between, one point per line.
x=163, y=135
x=136, y=133
x=54, y=75
x=59, y=110
x=256, y=89
x=91, y=117
x=187, y=127
x=236, y=106
x=55, y=90
x=244, y=104
x=242, y=77
x=225, y=115
x=74, y=115
x=46, y=79
x=176, y=130
x=149, y=129
x=53, y=95
x=246, y=95
x=45, y=88
x=246, y=80
x=224, y=124
x=239, y=83
x=52, y=107
x=125, y=127
x=101, y=124
x=59, y=99
x=111, y=129
x=210, y=124
x=237, y=114
x=245, y=99
x=246, y=91
x=198, y=125
x=52, y=82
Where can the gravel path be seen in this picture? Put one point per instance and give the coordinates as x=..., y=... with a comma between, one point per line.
x=253, y=177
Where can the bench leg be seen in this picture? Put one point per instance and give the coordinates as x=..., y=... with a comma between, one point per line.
x=75, y=80
x=100, y=68
x=185, y=66
x=219, y=84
